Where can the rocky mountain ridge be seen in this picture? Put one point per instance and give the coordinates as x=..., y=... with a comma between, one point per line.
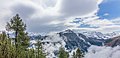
x=70, y=41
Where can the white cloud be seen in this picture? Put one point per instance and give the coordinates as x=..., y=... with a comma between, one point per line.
x=116, y=21
x=103, y=52
x=45, y=15
x=98, y=22
x=79, y=7
x=106, y=14
x=95, y=24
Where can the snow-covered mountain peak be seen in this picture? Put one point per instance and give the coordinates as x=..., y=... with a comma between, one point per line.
x=68, y=31
x=100, y=35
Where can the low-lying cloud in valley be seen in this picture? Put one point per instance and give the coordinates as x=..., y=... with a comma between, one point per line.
x=103, y=52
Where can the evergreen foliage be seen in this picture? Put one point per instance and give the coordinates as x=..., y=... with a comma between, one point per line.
x=78, y=54
x=18, y=47
x=63, y=53
x=18, y=26
x=40, y=54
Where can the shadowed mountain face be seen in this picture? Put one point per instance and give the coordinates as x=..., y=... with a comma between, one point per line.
x=71, y=40
x=74, y=40
x=113, y=41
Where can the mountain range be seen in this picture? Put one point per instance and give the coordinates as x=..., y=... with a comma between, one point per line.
x=71, y=40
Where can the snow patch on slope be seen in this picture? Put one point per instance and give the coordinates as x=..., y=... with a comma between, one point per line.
x=52, y=44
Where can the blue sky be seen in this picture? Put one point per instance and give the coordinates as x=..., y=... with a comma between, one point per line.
x=110, y=7
x=108, y=17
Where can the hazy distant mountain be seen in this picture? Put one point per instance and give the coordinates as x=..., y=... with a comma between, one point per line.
x=113, y=41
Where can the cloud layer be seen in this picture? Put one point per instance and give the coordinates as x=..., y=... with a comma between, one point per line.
x=47, y=16
x=103, y=52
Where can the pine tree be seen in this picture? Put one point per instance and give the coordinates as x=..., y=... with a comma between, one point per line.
x=79, y=53
x=3, y=47
x=63, y=53
x=21, y=39
x=40, y=53
x=19, y=28
x=7, y=50
x=74, y=55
